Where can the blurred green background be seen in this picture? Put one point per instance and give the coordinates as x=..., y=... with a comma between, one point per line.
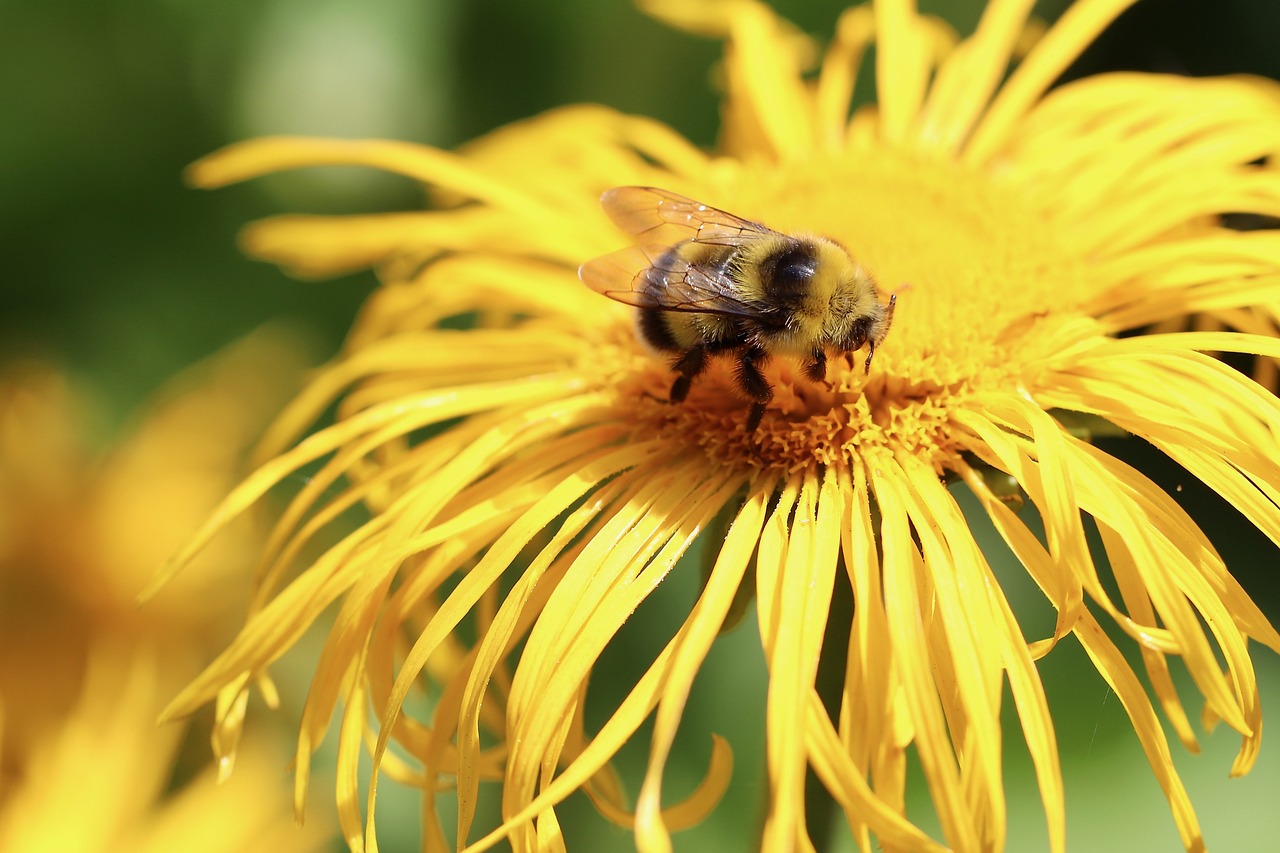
x=115, y=269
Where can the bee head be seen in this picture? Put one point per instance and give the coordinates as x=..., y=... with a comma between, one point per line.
x=855, y=314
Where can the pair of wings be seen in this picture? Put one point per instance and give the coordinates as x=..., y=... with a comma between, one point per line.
x=653, y=273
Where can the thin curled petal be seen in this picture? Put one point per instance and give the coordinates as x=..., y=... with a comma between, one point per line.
x=970, y=75
x=1078, y=26
x=908, y=618
x=702, y=627
x=257, y=157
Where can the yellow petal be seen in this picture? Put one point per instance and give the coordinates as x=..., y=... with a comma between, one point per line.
x=847, y=784
x=1024, y=680
x=1078, y=26
x=800, y=596
x=496, y=560
x=872, y=730
x=324, y=246
x=258, y=157
x=1128, y=690
x=855, y=32
x=909, y=620
x=690, y=811
x=692, y=644
x=375, y=425
x=967, y=79
x=962, y=643
x=496, y=645
x=903, y=66
x=590, y=605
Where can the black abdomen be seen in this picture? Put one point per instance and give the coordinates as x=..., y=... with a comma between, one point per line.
x=655, y=331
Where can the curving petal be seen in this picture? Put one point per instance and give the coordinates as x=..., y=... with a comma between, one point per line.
x=1077, y=27
x=968, y=78
x=694, y=641
x=257, y=157
x=911, y=621
x=768, y=105
x=1024, y=681
x=799, y=595
x=903, y=64
x=833, y=98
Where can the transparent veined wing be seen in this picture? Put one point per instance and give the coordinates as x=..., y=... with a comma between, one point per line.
x=659, y=277
x=660, y=217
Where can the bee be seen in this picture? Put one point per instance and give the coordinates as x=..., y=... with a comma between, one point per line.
x=709, y=284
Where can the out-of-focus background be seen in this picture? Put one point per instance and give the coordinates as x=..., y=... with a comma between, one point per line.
x=116, y=277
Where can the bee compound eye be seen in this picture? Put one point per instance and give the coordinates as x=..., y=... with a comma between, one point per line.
x=855, y=336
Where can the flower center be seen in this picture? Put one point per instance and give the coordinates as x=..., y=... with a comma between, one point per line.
x=976, y=269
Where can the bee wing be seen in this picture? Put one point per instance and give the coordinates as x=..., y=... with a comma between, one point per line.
x=657, y=216
x=657, y=277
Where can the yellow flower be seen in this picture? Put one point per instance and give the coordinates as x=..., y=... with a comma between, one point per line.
x=84, y=671
x=527, y=488
x=96, y=780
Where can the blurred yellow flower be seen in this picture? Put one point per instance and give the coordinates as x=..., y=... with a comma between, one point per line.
x=85, y=671
x=526, y=485
x=96, y=779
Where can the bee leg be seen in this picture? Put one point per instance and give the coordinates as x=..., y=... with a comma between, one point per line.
x=689, y=365
x=815, y=367
x=679, y=389
x=752, y=382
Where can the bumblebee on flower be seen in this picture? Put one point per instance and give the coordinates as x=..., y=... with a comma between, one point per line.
x=560, y=485
x=729, y=285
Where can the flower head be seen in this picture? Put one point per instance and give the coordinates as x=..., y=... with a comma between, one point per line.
x=526, y=477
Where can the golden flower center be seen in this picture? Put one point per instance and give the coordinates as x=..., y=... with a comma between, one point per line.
x=975, y=267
